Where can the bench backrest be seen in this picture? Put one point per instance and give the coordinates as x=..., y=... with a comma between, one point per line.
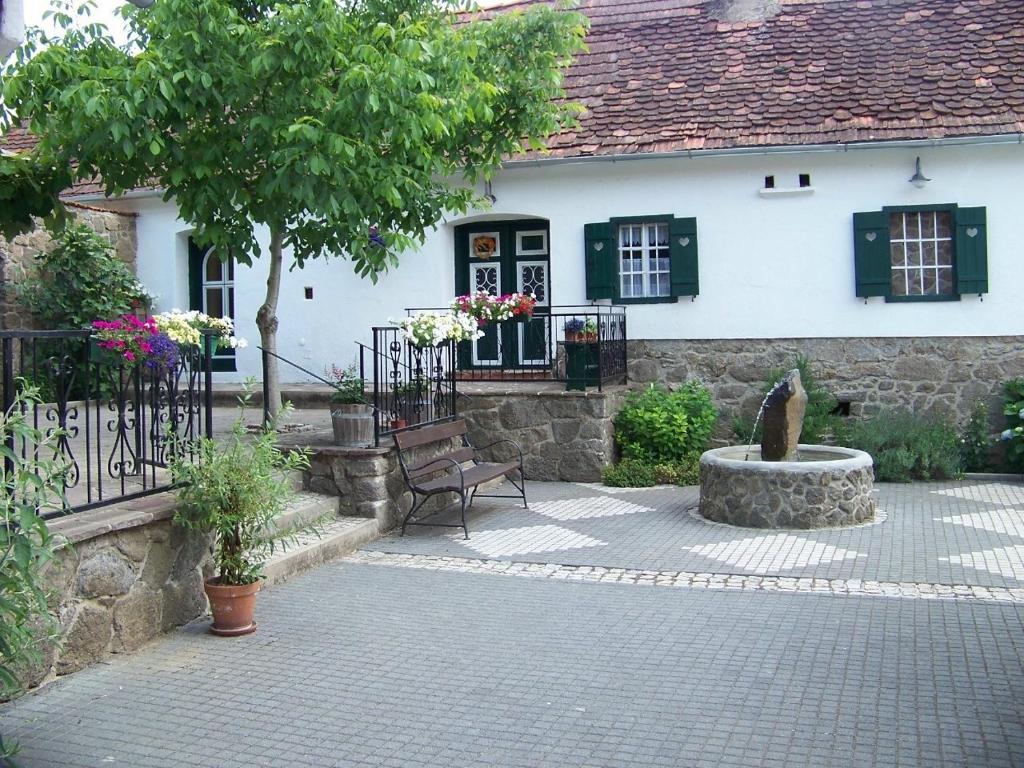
x=434, y=433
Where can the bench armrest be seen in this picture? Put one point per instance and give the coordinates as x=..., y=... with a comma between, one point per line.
x=499, y=442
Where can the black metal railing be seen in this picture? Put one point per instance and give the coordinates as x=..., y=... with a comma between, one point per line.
x=581, y=345
x=115, y=425
x=412, y=385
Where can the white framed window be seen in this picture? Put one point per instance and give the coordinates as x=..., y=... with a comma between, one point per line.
x=532, y=242
x=644, y=263
x=921, y=250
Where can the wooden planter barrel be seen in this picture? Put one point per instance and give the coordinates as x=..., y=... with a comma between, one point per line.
x=353, y=425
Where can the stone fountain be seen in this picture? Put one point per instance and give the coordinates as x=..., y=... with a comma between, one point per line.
x=786, y=484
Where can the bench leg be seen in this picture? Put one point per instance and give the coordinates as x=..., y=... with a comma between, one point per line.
x=412, y=511
x=465, y=530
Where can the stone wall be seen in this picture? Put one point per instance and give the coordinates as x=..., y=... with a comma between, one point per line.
x=126, y=576
x=368, y=480
x=942, y=374
x=564, y=435
x=17, y=257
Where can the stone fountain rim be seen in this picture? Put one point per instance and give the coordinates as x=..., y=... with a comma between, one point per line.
x=847, y=459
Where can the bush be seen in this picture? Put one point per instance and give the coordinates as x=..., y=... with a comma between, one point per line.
x=975, y=440
x=661, y=426
x=906, y=447
x=30, y=482
x=628, y=473
x=79, y=281
x=1013, y=408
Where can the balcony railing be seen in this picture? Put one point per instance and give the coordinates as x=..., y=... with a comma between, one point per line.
x=582, y=346
x=116, y=426
x=411, y=385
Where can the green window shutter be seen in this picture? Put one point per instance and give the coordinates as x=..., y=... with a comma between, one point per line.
x=872, y=261
x=601, y=259
x=683, y=255
x=971, y=251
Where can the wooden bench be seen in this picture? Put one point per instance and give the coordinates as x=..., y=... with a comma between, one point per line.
x=448, y=472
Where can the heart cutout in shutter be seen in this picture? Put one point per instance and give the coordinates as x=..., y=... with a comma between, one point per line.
x=598, y=246
x=972, y=231
x=870, y=237
x=684, y=241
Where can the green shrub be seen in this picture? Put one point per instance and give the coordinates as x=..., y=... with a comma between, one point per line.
x=79, y=281
x=1013, y=435
x=820, y=419
x=975, y=440
x=628, y=473
x=31, y=481
x=906, y=447
x=662, y=426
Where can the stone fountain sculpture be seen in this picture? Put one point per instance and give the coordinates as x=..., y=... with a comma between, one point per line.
x=782, y=414
x=787, y=484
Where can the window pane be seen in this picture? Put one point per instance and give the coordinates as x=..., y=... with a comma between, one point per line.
x=913, y=254
x=945, y=253
x=928, y=224
x=214, y=269
x=895, y=226
x=913, y=231
x=898, y=254
x=214, y=302
x=928, y=253
x=943, y=228
x=231, y=269
x=929, y=285
x=914, y=282
x=899, y=282
x=945, y=282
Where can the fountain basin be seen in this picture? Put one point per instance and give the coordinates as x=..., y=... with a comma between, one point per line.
x=826, y=487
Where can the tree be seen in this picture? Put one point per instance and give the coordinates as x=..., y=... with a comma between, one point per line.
x=345, y=128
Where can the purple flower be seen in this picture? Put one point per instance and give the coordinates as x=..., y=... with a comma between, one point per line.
x=164, y=352
x=375, y=238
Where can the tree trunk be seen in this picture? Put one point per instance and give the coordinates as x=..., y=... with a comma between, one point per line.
x=266, y=321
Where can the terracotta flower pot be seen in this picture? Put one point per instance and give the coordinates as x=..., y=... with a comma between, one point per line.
x=233, y=607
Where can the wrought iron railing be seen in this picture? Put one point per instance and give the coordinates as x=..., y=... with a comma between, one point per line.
x=116, y=426
x=412, y=385
x=580, y=345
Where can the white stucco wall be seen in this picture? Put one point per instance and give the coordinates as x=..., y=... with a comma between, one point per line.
x=769, y=268
x=12, y=26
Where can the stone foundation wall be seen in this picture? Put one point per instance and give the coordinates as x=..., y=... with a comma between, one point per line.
x=564, y=435
x=17, y=256
x=127, y=576
x=942, y=374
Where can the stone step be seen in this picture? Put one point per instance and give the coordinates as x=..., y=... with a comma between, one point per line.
x=306, y=507
x=309, y=550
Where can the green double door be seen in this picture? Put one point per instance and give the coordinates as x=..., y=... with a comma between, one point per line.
x=506, y=257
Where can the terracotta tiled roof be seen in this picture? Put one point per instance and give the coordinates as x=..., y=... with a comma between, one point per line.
x=665, y=75
x=18, y=139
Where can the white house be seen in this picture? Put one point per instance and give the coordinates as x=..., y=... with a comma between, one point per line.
x=752, y=179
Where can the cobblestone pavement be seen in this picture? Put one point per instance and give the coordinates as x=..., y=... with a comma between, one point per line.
x=959, y=533
x=547, y=649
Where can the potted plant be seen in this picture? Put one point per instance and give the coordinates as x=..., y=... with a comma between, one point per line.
x=590, y=330
x=351, y=415
x=573, y=329
x=233, y=492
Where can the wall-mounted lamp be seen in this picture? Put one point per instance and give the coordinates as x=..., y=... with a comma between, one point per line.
x=488, y=194
x=918, y=179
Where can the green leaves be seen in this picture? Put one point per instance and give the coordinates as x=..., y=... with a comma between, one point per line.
x=29, y=484
x=658, y=425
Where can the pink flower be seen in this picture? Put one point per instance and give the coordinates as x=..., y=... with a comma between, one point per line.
x=146, y=347
x=129, y=356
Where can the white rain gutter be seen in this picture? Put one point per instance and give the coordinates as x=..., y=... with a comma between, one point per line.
x=688, y=154
x=694, y=154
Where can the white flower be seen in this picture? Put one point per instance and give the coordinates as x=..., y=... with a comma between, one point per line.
x=1006, y=434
